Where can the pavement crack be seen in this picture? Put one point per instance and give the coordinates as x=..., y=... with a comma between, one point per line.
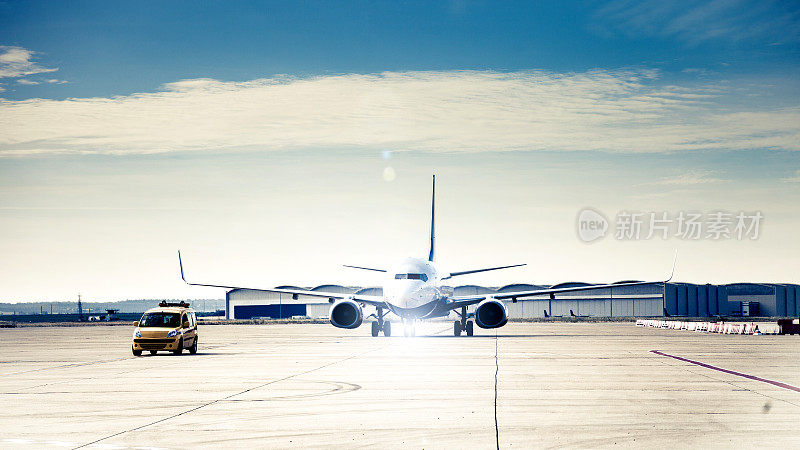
x=496, y=371
x=164, y=419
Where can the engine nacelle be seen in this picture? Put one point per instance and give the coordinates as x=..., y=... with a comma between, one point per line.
x=491, y=313
x=346, y=313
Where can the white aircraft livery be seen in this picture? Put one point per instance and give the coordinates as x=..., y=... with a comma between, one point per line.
x=413, y=291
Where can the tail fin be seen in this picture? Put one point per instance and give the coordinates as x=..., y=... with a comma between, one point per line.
x=433, y=213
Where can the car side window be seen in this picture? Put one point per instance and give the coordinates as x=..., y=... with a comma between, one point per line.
x=184, y=319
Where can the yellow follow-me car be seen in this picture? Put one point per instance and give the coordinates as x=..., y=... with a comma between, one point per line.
x=170, y=327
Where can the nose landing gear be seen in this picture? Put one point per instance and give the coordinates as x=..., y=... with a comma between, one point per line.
x=408, y=328
x=463, y=324
x=387, y=328
x=381, y=325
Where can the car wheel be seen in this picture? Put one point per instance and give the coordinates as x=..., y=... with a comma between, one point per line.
x=193, y=348
x=136, y=352
x=179, y=350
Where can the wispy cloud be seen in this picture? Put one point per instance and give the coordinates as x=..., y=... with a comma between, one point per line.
x=18, y=62
x=698, y=21
x=472, y=111
x=27, y=82
x=794, y=179
x=690, y=178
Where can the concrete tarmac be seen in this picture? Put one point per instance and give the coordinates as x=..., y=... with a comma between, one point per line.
x=533, y=385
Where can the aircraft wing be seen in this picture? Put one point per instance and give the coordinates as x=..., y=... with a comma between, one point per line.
x=521, y=296
x=374, y=300
x=460, y=301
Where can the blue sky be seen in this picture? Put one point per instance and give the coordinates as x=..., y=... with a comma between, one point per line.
x=255, y=134
x=117, y=48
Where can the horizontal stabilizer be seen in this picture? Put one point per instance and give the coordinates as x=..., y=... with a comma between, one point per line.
x=365, y=268
x=467, y=272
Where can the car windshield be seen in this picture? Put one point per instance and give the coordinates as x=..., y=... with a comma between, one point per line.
x=160, y=319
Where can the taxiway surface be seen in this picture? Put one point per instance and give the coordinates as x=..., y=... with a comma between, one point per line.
x=533, y=385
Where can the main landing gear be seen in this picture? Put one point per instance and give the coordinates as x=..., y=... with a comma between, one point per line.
x=463, y=324
x=381, y=325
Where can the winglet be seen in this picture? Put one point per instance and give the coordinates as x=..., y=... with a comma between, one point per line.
x=180, y=263
x=674, y=260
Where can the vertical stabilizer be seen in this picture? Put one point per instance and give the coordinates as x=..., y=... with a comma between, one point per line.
x=433, y=213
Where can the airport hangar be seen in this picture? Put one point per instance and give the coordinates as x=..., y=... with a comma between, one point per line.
x=651, y=300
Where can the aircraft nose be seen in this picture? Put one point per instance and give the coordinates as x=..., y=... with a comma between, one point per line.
x=404, y=296
x=414, y=295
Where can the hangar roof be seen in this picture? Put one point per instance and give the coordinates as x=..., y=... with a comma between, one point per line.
x=470, y=289
x=516, y=287
x=570, y=284
x=336, y=288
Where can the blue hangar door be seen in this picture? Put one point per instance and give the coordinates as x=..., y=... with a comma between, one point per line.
x=272, y=311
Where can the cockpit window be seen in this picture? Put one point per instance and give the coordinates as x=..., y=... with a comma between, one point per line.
x=411, y=276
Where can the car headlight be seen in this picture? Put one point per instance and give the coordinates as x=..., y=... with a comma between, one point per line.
x=172, y=333
x=137, y=334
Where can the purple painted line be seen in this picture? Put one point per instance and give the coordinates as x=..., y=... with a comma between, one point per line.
x=738, y=374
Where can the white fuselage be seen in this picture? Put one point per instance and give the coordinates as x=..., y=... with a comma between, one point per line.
x=412, y=288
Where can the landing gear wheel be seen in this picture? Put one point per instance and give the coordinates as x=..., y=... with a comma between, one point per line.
x=179, y=350
x=387, y=328
x=153, y=352
x=136, y=352
x=457, y=328
x=375, y=329
x=469, y=328
x=193, y=348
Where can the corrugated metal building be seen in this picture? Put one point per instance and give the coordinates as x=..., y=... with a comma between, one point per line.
x=774, y=300
x=249, y=304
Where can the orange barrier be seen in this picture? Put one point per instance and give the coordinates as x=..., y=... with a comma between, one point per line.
x=710, y=327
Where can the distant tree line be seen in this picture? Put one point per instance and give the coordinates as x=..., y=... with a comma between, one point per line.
x=125, y=306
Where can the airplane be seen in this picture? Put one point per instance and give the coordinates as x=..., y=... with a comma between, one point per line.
x=413, y=291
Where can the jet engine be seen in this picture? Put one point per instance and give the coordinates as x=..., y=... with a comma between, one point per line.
x=491, y=313
x=346, y=313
